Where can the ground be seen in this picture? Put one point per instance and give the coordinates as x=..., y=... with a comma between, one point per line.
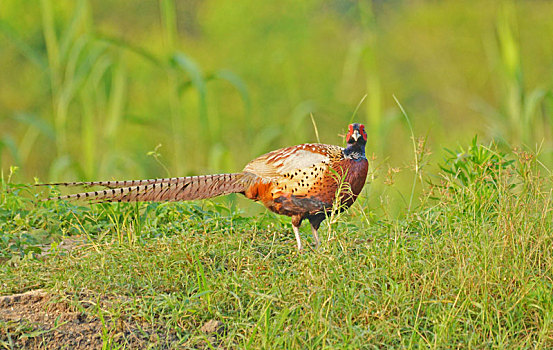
x=34, y=320
x=38, y=320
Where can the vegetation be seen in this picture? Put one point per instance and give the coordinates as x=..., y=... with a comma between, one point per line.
x=469, y=266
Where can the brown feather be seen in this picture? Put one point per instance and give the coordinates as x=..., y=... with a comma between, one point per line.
x=171, y=189
x=116, y=184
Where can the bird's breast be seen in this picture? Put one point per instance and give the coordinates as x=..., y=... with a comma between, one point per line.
x=356, y=174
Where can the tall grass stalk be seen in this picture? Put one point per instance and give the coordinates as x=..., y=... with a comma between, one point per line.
x=416, y=159
x=315, y=128
x=168, y=21
x=374, y=113
x=520, y=108
x=54, y=71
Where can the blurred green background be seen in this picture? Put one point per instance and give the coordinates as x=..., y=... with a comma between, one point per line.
x=97, y=89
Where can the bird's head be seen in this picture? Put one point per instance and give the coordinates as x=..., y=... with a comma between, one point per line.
x=356, y=134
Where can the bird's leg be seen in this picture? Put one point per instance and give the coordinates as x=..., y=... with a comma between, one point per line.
x=298, y=239
x=315, y=222
x=296, y=222
x=315, y=237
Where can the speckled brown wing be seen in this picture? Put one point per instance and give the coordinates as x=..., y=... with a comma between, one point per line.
x=300, y=171
x=276, y=164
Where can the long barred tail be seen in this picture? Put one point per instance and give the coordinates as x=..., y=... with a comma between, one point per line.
x=115, y=184
x=161, y=190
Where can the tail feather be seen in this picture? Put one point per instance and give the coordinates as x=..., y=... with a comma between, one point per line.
x=169, y=189
x=116, y=184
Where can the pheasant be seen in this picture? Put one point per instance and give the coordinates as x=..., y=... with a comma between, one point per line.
x=301, y=181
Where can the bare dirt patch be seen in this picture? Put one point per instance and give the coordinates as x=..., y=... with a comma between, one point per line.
x=37, y=320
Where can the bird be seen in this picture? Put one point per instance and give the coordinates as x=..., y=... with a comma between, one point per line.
x=304, y=182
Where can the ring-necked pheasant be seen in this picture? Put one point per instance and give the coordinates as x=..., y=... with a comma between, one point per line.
x=301, y=181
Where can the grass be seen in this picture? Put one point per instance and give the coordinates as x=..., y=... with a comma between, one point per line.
x=468, y=267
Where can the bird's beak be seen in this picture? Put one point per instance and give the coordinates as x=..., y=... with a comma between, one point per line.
x=356, y=135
